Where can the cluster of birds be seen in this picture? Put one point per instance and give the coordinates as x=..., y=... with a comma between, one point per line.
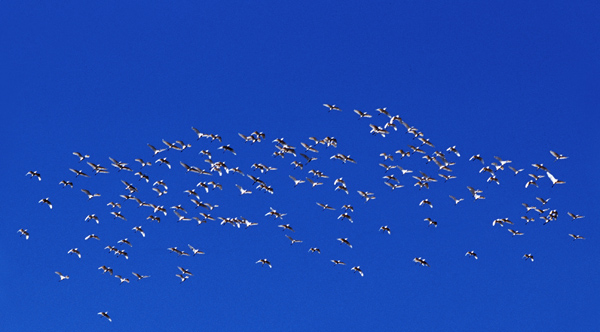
x=302, y=160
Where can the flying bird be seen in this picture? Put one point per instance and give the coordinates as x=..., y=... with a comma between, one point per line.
x=344, y=241
x=46, y=201
x=553, y=179
x=24, y=233
x=89, y=194
x=34, y=174
x=558, y=156
x=332, y=107
x=357, y=269
x=264, y=261
x=471, y=253
x=62, y=277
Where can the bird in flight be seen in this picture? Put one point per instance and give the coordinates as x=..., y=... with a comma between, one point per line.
x=62, y=276
x=344, y=241
x=35, y=174
x=420, y=261
x=46, y=201
x=332, y=107
x=575, y=216
x=264, y=261
x=139, y=276
x=105, y=315
x=357, y=269
x=558, y=156
x=576, y=237
x=385, y=229
x=471, y=253
x=23, y=233
x=553, y=179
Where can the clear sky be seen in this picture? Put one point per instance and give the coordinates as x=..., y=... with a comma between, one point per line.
x=512, y=79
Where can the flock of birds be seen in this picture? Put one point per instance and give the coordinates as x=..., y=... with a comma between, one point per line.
x=303, y=159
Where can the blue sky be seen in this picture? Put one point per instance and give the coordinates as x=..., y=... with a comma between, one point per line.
x=513, y=80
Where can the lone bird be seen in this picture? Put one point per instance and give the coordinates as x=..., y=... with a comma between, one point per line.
x=62, y=277
x=264, y=261
x=471, y=253
x=105, y=315
x=23, y=233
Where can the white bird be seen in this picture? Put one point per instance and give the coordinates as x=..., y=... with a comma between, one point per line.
x=139, y=229
x=345, y=215
x=315, y=250
x=313, y=183
x=385, y=229
x=362, y=114
x=139, y=276
x=92, y=236
x=74, y=251
x=287, y=226
x=183, y=277
x=366, y=195
x=78, y=173
x=453, y=149
x=92, y=217
x=344, y=241
x=576, y=237
x=123, y=279
x=517, y=171
x=296, y=181
x=62, y=277
x=420, y=261
x=530, y=183
x=164, y=160
x=575, y=216
x=46, y=201
x=553, y=179
x=543, y=201
x=426, y=201
x=293, y=240
x=558, y=156
x=332, y=107
x=82, y=157
x=118, y=215
x=66, y=183
x=515, y=232
x=243, y=191
x=195, y=251
x=471, y=253
x=357, y=269
x=23, y=233
x=528, y=256
x=264, y=261
x=456, y=200
x=89, y=194
x=325, y=206
x=114, y=205
x=476, y=157
x=34, y=174
x=336, y=262
x=143, y=163
x=105, y=269
x=185, y=271
x=125, y=241
x=105, y=315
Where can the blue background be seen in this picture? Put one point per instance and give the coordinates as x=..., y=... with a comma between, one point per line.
x=512, y=79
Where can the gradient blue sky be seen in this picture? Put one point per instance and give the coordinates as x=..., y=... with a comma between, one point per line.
x=513, y=79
